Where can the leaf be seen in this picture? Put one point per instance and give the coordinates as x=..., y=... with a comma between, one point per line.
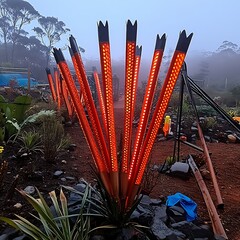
x=14, y=124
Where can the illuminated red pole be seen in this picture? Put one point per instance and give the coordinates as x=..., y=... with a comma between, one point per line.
x=128, y=111
x=165, y=95
x=51, y=84
x=136, y=73
x=66, y=98
x=106, y=67
x=101, y=167
x=147, y=102
x=89, y=102
x=100, y=99
x=58, y=88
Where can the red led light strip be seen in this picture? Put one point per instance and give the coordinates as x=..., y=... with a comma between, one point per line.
x=63, y=67
x=136, y=74
x=50, y=81
x=58, y=88
x=147, y=102
x=100, y=99
x=161, y=107
x=89, y=102
x=129, y=82
x=166, y=92
x=66, y=98
x=106, y=68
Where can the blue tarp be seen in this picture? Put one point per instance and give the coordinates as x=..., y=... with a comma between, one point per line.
x=186, y=203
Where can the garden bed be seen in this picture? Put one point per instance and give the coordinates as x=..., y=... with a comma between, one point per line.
x=77, y=164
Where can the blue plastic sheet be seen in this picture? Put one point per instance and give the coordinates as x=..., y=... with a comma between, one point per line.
x=186, y=203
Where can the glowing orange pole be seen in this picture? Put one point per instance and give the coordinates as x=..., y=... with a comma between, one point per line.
x=147, y=102
x=101, y=167
x=66, y=98
x=136, y=73
x=165, y=95
x=128, y=111
x=106, y=67
x=51, y=85
x=58, y=89
x=89, y=102
x=100, y=99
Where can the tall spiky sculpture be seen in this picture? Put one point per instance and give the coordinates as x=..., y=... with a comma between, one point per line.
x=122, y=181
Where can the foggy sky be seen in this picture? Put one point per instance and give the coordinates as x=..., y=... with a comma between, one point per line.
x=211, y=21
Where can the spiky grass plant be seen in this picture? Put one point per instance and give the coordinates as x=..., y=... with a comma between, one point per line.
x=53, y=137
x=56, y=223
x=30, y=142
x=105, y=210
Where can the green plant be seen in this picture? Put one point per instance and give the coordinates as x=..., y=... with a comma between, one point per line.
x=205, y=110
x=170, y=160
x=30, y=142
x=14, y=113
x=104, y=206
x=53, y=227
x=208, y=123
x=53, y=137
x=31, y=119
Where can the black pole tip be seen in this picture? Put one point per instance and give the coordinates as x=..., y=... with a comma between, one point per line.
x=160, y=42
x=70, y=51
x=138, y=50
x=48, y=71
x=73, y=44
x=131, y=31
x=58, y=55
x=183, y=41
x=103, y=35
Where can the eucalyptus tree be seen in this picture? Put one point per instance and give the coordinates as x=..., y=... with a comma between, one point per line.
x=14, y=15
x=50, y=32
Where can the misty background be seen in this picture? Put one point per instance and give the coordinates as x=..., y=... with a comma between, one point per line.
x=30, y=29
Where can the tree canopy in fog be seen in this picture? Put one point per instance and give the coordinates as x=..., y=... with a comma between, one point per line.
x=50, y=32
x=19, y=48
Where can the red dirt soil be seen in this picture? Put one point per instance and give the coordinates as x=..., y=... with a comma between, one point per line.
x=225, y=159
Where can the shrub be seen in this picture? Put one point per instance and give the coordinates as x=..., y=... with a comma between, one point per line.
x=208, y=123
x=30, y=142
x=54, y=224
x=53, y=137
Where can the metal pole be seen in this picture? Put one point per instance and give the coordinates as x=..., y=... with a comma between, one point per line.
x=217, y=108
x=213, y=214
x=204, y=145
x=179, y=119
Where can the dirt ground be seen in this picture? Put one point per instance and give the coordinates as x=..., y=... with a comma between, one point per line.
x=226, y=162
x=225, y=158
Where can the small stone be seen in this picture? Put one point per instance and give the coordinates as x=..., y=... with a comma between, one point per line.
x=64, y=161
x=80, y=187
x=13, y=157
x=155, y=202
x=57, y=174
x=70, y=178
x=72, y=147
x=207, y=138
x=231, y=138
x=29, y=190
x=194, y=129
x=18, y=205
x=63, y=179
x=24, y=155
